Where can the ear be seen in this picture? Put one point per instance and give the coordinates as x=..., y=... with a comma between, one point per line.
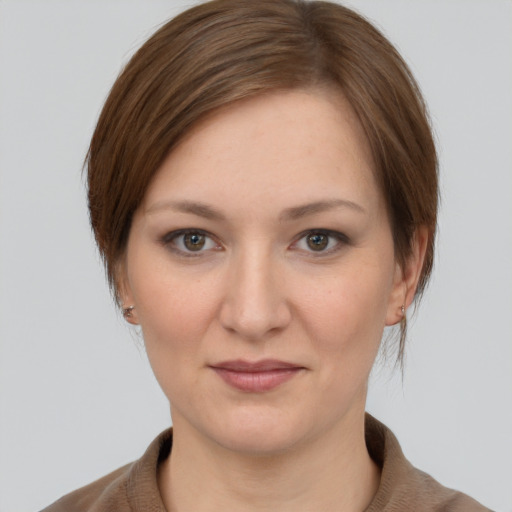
x=406, y=279
x=125, y=294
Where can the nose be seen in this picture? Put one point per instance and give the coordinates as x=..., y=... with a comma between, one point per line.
x=255, y=305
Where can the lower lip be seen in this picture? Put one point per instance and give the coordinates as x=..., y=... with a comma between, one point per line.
x=257, y=382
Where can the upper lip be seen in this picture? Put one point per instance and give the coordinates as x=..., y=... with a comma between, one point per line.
x=264, y=365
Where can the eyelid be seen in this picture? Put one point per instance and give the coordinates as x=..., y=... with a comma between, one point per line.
x=341, y=239
x=168, y=241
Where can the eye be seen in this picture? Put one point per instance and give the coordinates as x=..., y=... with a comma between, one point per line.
x=190, y=241
x=320, y=241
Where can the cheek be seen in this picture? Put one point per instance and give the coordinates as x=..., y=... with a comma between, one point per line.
x=173, y=321
x=174, y=310
x=173, y=313
x=347, y=313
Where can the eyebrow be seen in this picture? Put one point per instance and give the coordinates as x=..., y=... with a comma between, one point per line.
x=196, y=208
x=292, y=213
x=297, y=212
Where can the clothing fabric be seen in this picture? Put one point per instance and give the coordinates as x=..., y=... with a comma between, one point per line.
x=134, y=487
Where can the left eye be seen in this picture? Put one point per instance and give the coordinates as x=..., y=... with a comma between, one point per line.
x=190, y=241
x=319, y=241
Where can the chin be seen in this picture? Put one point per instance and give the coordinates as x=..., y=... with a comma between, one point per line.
x=257, y=431
x=257, y=443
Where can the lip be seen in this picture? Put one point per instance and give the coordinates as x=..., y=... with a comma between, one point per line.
x=257, y=376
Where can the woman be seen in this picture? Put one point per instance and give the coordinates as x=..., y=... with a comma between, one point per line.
x=263, y=190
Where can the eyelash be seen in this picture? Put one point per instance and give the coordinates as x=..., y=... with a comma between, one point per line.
x=169, y=241
x=340, y=238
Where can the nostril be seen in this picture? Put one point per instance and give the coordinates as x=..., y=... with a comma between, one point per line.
x=254, y=321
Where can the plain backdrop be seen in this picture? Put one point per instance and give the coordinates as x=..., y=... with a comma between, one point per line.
x=77, y=396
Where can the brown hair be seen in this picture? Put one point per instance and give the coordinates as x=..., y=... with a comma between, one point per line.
x=225, y=50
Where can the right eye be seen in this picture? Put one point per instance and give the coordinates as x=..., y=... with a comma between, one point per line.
x=190, y=241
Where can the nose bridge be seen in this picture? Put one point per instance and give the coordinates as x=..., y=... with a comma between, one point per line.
x=255, y=303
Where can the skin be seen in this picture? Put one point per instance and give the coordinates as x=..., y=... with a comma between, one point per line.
x=257, y=290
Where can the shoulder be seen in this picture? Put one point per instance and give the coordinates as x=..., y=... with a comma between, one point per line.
x=404, y=487
x=131, y=487
x=428, y=494
x=111, y=487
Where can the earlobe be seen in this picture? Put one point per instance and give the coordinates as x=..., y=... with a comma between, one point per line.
x=129, y=314
x=407, y=278
x=125, y=295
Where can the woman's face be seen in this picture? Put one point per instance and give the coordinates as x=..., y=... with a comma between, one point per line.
x=262, y=270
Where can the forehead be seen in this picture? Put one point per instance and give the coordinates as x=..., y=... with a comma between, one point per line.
x=282, y=147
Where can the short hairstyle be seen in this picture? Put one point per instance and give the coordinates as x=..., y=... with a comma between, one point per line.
x=223, y=51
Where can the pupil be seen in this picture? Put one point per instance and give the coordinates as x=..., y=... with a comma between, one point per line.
x=194, y=241
x=317, y=242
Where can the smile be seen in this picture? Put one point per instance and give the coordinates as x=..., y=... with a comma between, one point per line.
x=256, y=377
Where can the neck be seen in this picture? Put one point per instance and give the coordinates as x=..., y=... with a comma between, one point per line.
x=333, y=472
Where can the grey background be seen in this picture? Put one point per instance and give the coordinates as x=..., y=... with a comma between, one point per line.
x=77, y=397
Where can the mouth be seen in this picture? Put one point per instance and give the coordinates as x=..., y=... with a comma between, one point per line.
x=258, y=376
